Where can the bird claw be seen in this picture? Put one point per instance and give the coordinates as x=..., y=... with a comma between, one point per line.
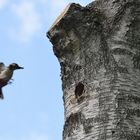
x=11, y=81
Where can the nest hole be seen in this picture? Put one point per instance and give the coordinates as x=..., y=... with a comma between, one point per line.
x=79, y=90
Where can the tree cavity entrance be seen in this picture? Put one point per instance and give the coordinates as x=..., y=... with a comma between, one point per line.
x=79, y=90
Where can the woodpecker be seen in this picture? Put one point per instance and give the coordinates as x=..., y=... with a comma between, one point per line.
x=6, y=74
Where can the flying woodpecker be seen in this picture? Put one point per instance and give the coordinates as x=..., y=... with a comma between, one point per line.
x=6, y=74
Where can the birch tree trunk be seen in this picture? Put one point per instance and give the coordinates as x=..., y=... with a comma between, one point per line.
x=98, y=47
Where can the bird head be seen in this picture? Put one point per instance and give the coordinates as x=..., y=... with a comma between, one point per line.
x=15, y=66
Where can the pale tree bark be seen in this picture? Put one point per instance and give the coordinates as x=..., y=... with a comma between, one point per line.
x=98, y=47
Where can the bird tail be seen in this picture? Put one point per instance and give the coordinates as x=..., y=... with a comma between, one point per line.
x=1, y=94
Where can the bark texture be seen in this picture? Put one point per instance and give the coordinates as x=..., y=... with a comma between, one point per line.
x=98, y=47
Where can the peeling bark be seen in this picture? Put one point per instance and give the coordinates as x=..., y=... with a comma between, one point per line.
x=98, y=47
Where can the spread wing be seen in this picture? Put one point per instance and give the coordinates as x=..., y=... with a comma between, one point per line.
x=2, y=67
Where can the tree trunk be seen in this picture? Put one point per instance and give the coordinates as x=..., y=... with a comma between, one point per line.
x=98, y=47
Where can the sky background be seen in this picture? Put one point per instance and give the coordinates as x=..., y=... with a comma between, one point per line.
x=33, y=105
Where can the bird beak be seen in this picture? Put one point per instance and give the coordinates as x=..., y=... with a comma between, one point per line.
x=20, y=67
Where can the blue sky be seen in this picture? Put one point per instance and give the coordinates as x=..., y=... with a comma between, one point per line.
x=33, y=106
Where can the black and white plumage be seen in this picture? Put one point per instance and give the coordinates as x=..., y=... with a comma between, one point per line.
x=6, y=73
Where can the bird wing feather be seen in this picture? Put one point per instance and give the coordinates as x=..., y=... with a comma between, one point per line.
x=2, y=67
x=1, y=94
